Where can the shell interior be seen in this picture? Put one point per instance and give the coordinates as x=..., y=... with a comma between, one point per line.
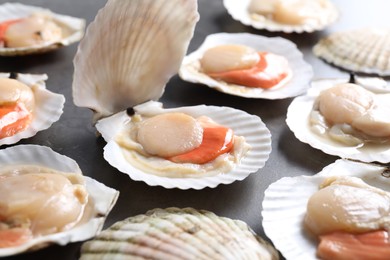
x=298, y=121
x=72, y=28
x=239, y=11
x=174, y=233
x=103, y=197
x=48, y=109
x=298, y=84
x=364, y=50
x=285, y=201
x=251, y=127
x=135, y=48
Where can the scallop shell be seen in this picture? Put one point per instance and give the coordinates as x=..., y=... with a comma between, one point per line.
x=135, y=48
x=175, y=233
x=285, y=201
x=72, y=28
x=251, y=127
x=239, y=11
x=364, y=50
x=298, y=121
x=102, y=196
x=302, y=71
x=48, y=107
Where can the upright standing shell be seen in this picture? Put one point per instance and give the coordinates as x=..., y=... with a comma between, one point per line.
x=363, y=50
x=174, y=233
x=130, y=52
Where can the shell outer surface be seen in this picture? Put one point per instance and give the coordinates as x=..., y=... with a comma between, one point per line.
x=48, y=109
x=251, y=127
x=72, y=26
x=175, y=233
x=130, y=51
x=102, y=196
x=364, y=50
x=298, y=121
x=301, y=71
x=239, y=12
x=285, y=200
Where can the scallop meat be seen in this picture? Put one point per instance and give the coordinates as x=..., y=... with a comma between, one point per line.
x=30, y=29
x=280, y=71
x=47, y=200
x=365, y=50
x=288, y=16
x=27, y=107
x=346, y=199
x=344, y=119
x=175, y=233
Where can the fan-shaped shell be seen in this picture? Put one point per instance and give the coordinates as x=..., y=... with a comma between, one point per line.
x=301, y=71
x=48, y=107
x=298, y=115
x=102, y=198
x=72, y=28
x=174, y=233
x=239, y=11
x=364, y=50
x=285, y=202
x=130, y=52
x=250, y=127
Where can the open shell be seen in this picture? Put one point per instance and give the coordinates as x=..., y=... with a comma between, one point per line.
x=285, y=202
x=72, y=28
x=301, y=71
x=298, y=121
x=364, y=50
x=103, y=197
x=132, y=63
x=48, y=107
x=239, y=11
x=174, y=233
x=251, y=127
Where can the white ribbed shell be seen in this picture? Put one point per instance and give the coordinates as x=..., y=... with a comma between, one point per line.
x=48, y=107
x=174, y=233
x=364, y=50
x=72, y=27
x=285, y=202
x=251, y=127
x=130, y=52
x=239, y=11
x=298, y=115
x=302, y=72
x=102, y=196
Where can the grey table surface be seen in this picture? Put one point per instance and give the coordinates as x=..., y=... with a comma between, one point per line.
x=74, y=136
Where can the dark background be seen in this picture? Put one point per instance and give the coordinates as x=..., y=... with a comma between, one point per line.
x=73, y=135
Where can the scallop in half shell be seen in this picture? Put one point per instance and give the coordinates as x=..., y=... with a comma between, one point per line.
x=47, y=110
x=69, y=29
x=364, y=50
x=225, y=169
x=302, y=73
x=299, y=116
x=32, y=160
x=175, y=233
x=135, y=48
x=152, y=38
x=324, y=14
x=285, y=202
